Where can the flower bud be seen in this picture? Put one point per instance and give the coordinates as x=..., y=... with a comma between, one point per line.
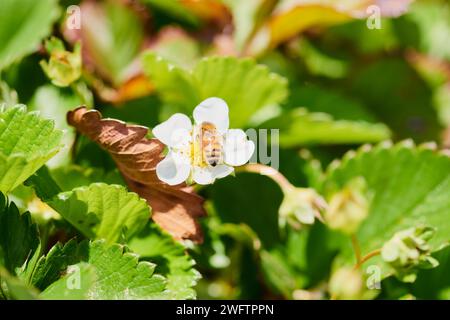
x=408, y=250
x=301, y=205
x=63, y=67
x=348, y=207
x=346, y=284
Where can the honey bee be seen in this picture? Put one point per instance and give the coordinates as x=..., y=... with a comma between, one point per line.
x=211, y=144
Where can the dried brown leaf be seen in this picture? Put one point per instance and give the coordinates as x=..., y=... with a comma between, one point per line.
x=175, y=208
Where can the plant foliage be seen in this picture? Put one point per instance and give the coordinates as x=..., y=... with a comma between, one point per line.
x=345, y=197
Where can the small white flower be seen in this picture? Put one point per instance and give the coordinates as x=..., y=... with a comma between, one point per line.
x=205, y=151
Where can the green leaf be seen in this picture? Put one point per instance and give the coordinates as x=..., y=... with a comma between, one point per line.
x=247, y=15
x=302, y=260
x=246, y=86
x=99, y=210
x=311, y=251
x=76, y=285
x=171, y=259
x=299, y=127
x=251, y=199
x=25, y=76
x=23, y=24
x=359, y=38
x=73, y=176
x=173, y=83
x=56, y=261
x=111, y=27
x=301, y=168
x=48, y=184
x=319, y=63
x=45, y=187
x=426, y=27
x=14, y=288
x=26, y=142
x=410, y=187
x=173, y=8
x=18, y=236
x=171, y=42
x=112, y=273
x=434, y=283
x=279, y=274
x=53, y=103
x=395, y=93
x=103, y=211
x=317, y=98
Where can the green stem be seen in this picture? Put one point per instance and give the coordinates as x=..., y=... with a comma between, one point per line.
x=2, y=293
x=356, y=249
x=82, y=91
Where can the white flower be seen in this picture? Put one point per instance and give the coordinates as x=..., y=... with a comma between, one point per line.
x=205, y=151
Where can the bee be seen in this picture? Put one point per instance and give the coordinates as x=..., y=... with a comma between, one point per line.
x=211, y=144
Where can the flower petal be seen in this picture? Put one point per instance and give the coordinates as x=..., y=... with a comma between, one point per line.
x=164, y=132
x=181, y=139
x=215, y=111
x=203, y=175
x=237, y=148
x=221, y=171
x=305, y=216
x=173, y=169
x=207, y=175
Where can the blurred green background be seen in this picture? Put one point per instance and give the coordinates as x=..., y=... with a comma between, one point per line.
x=316, y=70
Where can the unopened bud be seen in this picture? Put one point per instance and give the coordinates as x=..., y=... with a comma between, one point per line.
x=346, y=284
x=63, y=67
x=348, y=207
x=301, y=205
x=408, y=250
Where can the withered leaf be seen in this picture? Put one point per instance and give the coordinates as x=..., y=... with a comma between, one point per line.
x=175, y=208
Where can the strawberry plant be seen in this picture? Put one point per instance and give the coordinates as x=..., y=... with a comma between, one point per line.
x=224, y=149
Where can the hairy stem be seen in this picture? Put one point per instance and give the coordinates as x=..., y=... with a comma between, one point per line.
x=367, y=257
x=270, y=172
